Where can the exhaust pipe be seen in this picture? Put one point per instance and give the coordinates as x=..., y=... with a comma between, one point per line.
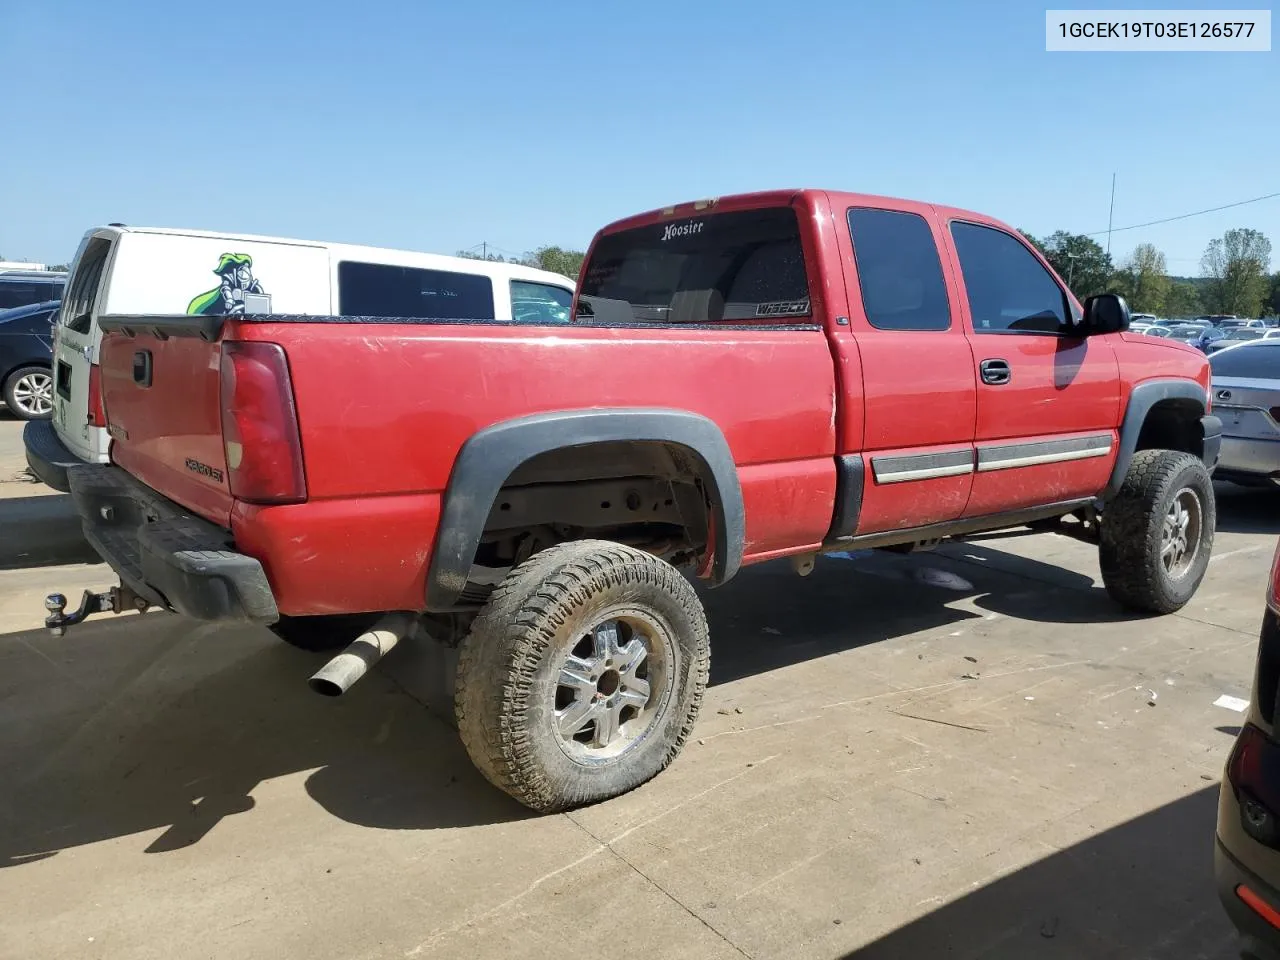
x=336, y=677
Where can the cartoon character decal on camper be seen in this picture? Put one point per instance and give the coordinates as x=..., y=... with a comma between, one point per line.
x=238, y=292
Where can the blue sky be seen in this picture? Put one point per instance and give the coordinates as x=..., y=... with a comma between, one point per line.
x=435, y=126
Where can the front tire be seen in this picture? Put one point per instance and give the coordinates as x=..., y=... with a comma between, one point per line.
x=1157, y=533
x=582, y=676
x=28, y=393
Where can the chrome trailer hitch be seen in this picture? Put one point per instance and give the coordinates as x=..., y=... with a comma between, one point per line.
x=116, y=600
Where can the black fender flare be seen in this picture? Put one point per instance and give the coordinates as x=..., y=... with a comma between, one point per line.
x=1142, y=398
x=489, y=457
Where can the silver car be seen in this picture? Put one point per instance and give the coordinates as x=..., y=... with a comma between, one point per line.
x=1246, y=396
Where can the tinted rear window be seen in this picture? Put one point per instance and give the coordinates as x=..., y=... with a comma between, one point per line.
x=746, y=265
x=1251, y=361
x=79, y=304
x=379, y=290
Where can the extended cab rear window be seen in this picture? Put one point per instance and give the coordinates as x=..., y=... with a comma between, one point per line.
x=1255, y=361
x=382, y=290
x=746, y=265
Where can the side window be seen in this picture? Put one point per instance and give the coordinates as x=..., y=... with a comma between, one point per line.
x=18, y=294
x=380, y=290
x=1009, y=290
x=898, y=270
x=539, y=303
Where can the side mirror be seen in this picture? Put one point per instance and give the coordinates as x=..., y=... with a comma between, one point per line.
x=1105, y=313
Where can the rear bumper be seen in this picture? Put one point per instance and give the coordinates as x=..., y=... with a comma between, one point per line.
x=164, y=553
x=47, y=456
x=1263, y=939
x=1250, y=459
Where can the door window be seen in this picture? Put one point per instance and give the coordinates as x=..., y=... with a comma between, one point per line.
x=539, y=303
x=898, y=270
x=1009, y=290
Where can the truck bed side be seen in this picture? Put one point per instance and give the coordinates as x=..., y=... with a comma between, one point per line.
x=384, y=408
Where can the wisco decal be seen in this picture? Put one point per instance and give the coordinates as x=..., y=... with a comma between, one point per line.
x=681, y=230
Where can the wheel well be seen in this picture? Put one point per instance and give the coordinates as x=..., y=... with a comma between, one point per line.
x=6, y=374
x=653, y=495
x=1173, y=424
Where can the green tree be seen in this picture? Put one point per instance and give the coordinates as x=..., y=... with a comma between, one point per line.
x=1035, y=243
x=477, y=255
x=1080, y=261
x=567, y=263
x=1143, y=280
x=1272, y=306
x=59, y=267
x=1183, y=300
x=1236, y=266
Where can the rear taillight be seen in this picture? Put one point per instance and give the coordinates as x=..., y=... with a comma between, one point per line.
x=1254, y=773
x=1274, y=593
x=97, y=410
x=260, y=424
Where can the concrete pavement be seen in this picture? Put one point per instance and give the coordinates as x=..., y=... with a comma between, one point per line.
x=947, y=754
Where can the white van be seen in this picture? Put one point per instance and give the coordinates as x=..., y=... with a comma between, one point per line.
x=151, y=270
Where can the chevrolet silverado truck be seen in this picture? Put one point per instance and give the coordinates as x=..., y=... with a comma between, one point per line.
x=774, y=375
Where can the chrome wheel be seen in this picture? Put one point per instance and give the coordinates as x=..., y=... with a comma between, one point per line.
x=613, y=686
x=33, y=394
x=1180, y=533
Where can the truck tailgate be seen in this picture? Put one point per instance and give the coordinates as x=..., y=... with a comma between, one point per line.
x=163, y=407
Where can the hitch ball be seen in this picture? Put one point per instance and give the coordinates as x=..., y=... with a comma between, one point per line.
x=55, y=603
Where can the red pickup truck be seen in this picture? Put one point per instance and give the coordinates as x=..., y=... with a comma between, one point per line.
x=771, y=375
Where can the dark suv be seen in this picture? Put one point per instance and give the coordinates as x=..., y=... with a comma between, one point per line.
x=19, y=288
x=1247, y=855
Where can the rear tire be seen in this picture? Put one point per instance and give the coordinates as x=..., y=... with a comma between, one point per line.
x=322, y=633
x=28, y=393
x=582, y=676
x=1157, y=533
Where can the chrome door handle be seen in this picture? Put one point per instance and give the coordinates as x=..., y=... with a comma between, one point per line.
x=995, y=372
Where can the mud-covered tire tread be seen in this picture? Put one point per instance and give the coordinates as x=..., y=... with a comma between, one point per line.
x=1129, y=551
x=498, y=660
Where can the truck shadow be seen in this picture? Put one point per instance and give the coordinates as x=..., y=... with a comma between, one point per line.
x=768, y=617
x=1125, y=892
x=1247, y=509
x=149, y=726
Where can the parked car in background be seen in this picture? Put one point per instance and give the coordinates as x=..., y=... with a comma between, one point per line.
x=1207, y=337
x=143, y=270
x=1272, y=334
x=22, y=288
x=1246, y=398
x=1247, y=852
x=1157, y=330
x=26, y=359
x=1143, y=319
x=1233, y=337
